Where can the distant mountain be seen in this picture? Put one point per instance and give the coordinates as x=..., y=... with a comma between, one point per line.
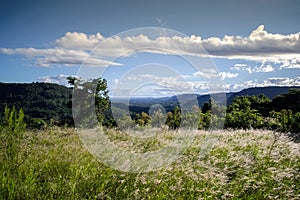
x=188, y=100
x=270, y=92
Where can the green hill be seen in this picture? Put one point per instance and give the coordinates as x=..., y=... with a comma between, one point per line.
x=45, y=101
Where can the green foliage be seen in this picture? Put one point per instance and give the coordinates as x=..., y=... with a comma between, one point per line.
x=142, y=119
x=38, y=100
x=261, y=103
x=37, y=123
x=89, y=98
x=260, y=112
x=190, y=119
x=46, y=104
x=174, y=118
x=241, y=116
x=289, y=101
x=296, y=123
x=237, y=166
x=284, y=121
x=11, y=140
x=204, y=120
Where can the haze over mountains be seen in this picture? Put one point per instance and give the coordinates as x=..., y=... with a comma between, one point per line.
x=270, y=92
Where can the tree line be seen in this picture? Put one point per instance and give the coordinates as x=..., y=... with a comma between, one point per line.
x=45, y=104
x=282, y=113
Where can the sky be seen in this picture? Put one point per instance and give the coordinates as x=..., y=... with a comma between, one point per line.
x=152, y=48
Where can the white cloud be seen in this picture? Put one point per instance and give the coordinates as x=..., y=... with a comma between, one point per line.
x=238, y=65
x=259, y=45
x=273, y=81
x=242, y=67
x=290, y=64
x=283, y=81
x=224, y=75
x=264, y=67
x=80, y=41
x=47, y=57
x=168, y=86
x=164, y=85
x=59, y=79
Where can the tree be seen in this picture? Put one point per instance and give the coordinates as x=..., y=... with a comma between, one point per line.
x=240, y=115
x=174, y=118
x=142, y=119
x=290, y=101
x=261, y=103
x=42, y=101
x=296, y=123
x=190, y=119
x=89, y=98
x=204, y=120
x=282, y=121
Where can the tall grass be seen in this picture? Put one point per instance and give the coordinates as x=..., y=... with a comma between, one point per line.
x=53, y=164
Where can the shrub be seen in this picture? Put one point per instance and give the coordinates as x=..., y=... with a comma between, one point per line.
x=11, y=138
x=37, y=123
x=174, y=119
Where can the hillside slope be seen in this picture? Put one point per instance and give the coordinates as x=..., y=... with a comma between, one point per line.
x=38, y=100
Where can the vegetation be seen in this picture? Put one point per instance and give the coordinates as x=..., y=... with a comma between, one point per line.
x=43, y=102
x=280, y=113
x=89, y=97
x=245, y=112
x=53, y=164
x=50, y=104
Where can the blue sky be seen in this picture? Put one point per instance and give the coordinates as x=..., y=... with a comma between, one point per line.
x=246, y=43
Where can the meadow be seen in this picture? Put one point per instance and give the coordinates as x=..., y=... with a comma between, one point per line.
x=240, y=164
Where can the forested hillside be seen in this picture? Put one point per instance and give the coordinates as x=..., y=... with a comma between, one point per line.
x=43, y=101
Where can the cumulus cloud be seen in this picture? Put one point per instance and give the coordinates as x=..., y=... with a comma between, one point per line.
x=165, y=85
x=80, y=41
x=259, y=45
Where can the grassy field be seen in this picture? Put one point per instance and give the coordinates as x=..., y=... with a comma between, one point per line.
x=53, y=164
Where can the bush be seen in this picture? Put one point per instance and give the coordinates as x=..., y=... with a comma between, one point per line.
x=174, y=119
x=37, y=123
x=241, y=116
x=11, y=138
x=142, y=119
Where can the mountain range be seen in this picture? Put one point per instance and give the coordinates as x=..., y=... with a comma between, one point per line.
x=187, y=99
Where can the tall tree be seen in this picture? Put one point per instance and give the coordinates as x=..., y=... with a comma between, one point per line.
x=89, y=98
